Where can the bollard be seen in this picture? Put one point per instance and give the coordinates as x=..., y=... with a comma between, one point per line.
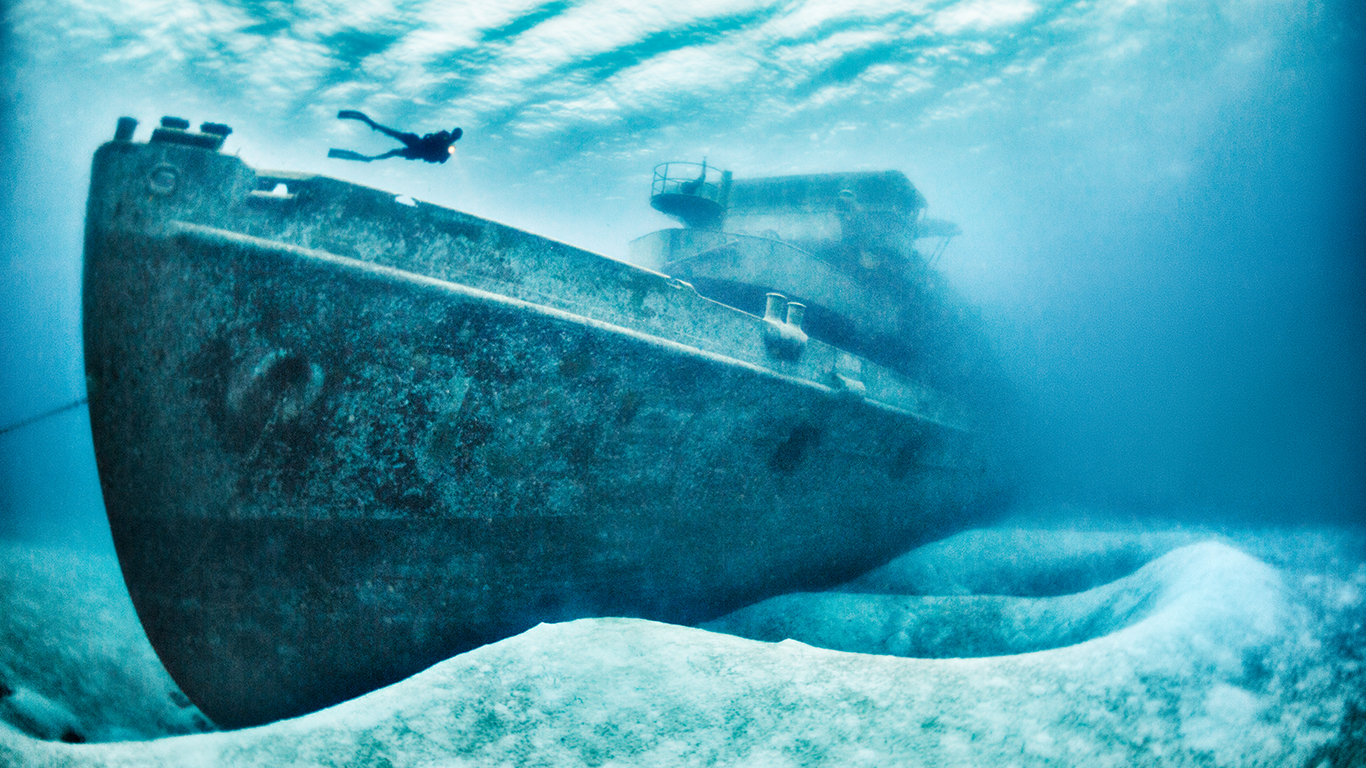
x=784, y=339
x=773, y=312
x=124, y=131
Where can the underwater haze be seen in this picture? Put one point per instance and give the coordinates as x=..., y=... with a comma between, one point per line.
x=1161, y=200
x=1162, y=207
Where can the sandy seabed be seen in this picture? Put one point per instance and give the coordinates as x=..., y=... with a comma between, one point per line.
x=1010, y=646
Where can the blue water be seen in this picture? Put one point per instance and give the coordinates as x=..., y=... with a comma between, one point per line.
x=1161, y=201
x=1162, y=204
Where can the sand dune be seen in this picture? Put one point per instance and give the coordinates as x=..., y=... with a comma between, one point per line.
x=1199, y=654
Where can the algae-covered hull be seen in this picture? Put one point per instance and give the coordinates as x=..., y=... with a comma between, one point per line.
x=342, y=436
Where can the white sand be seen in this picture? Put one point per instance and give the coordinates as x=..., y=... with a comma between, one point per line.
x=1204, y=655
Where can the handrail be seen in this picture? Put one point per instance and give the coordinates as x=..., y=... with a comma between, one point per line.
x=673, y=179
x=735, y=237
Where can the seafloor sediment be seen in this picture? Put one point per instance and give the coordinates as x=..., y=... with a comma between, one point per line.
x=1008, y=646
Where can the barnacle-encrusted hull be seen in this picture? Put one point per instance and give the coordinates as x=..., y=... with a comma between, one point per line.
x=342, y=437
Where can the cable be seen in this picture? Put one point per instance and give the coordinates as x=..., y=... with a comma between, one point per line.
x=44, y=415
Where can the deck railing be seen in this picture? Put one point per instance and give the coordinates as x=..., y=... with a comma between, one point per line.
x=695, y=179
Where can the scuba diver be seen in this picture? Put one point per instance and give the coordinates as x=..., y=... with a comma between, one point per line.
x=434, y=147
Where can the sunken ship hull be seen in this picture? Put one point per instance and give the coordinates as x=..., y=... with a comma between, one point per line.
x=342, y=436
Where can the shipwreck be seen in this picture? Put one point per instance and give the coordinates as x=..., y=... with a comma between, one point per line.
x=343, y=435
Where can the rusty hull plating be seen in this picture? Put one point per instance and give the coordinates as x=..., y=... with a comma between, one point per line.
x=343, y=436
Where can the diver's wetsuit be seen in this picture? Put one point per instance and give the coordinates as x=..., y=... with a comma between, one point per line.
x=433, y=147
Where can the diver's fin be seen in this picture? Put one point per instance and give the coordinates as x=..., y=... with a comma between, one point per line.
x=351, y=114
x=346, y=154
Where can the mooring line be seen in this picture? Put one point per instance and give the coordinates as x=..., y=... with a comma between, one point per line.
x=44, y=415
